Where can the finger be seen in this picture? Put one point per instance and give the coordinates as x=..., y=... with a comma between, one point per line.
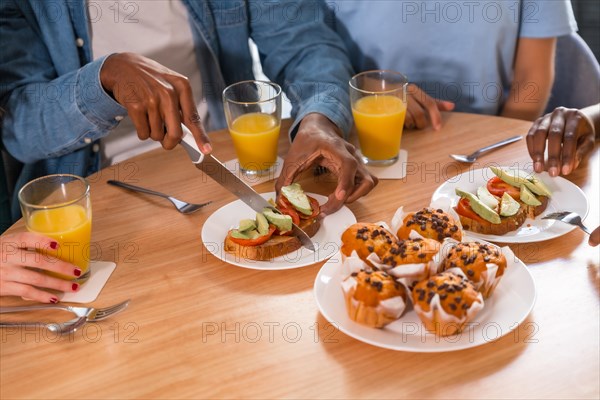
x=445, y=105
x=409, y=121
x=584, y=147
x=157, y=125
x=27, y=292
x=27, y=240
x=429, y=107
x=536, y=141
x=366, y=183
x=139, y=117
x=190, y=116
x=417, y=112
x=171, y=115
x=569, y=143
x=41, y=260
x=595, y=237
x=34, y=278
x=555, y=137
x=344, y=188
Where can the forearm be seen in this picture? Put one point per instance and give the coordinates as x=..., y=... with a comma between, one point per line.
x=528, y=99
x=50, y=119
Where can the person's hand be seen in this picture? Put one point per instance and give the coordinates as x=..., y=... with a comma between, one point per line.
x=16, y=279
x=423, y=109
x=595, y=237
x=570, y=137
x=318, y=143
x=157, y=99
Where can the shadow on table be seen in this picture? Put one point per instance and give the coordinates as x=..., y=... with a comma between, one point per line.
x=371, y=369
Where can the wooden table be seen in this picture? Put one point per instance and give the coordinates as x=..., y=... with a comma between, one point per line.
x=200, y=328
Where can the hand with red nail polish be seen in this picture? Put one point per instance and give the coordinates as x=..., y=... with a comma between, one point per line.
x=17, y=253
x=568, y=134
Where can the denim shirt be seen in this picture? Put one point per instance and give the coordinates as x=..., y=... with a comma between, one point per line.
x=55, y=106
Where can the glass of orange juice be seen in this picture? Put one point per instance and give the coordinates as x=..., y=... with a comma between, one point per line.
x=379, y=107
x=59, y=206
x=253, y=112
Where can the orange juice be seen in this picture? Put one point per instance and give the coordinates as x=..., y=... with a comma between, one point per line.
x=255, y=137
x=379, y=121
x=72, y=229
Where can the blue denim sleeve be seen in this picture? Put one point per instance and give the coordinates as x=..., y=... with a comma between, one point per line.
x=51, y=118
x=302, y=53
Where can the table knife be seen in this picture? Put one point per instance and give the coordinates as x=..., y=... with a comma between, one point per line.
x=214, y=168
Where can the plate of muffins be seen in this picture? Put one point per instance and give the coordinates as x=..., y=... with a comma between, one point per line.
x=422, y=285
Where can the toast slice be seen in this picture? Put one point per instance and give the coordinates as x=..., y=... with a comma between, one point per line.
x=276, y=246
x=508, y=224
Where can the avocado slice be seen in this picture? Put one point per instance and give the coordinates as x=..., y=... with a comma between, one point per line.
x=296, y=196
x=239, y=235
x=262, y=224
x=538, y=187
x=247, y=225
x=529, y=198
x=487, y=198
x=479, y=207
x=281, y=221
x=508, y=206
x=509, y=177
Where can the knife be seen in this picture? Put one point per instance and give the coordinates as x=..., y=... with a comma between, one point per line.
x=212, y=167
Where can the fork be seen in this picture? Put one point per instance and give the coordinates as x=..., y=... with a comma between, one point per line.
x=181, y=206
x=84, y=314
x=569, y=218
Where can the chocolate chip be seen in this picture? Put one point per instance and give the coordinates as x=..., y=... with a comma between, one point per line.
x=423, y=227
x=465, y=306
x=354, y=274
x=370, y=248
x=416, y=248
x=422, y=255
x=486, y=259
x=439, y=210
x=443, y=297
x=430, y=284
x=422, y=296
x=458, y=299
x=453, y=306
x=470, y=272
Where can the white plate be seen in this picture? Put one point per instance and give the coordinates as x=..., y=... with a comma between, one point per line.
x=566, y=196
x=327, y=240
x=510, y=304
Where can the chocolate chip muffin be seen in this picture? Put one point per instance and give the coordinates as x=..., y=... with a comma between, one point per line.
x=446, y=302
x=432, y=224
x=410, y=259
x=366, y=238
x=483, y=264
x=374, y=298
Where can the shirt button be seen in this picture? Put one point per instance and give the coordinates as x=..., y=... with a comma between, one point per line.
x=79, y=42
x=119, y=118
x=87, y=140
x=95, y=148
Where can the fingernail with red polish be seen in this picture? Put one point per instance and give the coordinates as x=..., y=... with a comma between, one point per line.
x=77, y=272
x=53, y=300
x=75, y=286
x=53, y=245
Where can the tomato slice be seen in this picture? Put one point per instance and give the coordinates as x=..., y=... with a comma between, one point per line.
x=254, y=242
x=316, y=207
x=497, y=187
x=464, y=208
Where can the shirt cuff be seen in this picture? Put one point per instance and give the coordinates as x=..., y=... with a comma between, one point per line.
x=336, y=112
x=93, y=101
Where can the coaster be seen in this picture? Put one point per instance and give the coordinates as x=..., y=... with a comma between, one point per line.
x=234, y=166
x=395, y=171
x=89, y=291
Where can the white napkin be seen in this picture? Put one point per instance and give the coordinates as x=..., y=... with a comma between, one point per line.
x=89, y=291
x=395, y=171
x=234, y=166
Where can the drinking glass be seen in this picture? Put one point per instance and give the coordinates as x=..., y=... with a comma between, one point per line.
x=253, y=112
x=59, y=206
x=378, y=101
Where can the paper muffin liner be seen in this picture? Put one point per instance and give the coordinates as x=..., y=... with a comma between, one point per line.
x=488, y=280
x=385, y=312
x=443, y=323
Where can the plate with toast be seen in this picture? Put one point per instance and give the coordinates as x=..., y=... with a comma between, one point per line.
x=502, y=204
x=239, y=236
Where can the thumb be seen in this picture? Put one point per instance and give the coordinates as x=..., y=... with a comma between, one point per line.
x=444, y=105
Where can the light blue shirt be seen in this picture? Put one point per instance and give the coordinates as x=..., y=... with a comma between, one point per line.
x=462, y=51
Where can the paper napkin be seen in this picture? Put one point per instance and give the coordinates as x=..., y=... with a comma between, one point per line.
x=89, y=291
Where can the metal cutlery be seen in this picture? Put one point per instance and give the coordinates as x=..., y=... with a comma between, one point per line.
x=84, y=314
x=568, y=217
x=471, y=158
x=182, y=206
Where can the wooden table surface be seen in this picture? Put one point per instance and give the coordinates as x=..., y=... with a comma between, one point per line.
x=200, y=328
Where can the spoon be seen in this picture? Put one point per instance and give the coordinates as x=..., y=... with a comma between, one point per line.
x=476, y=154
x=182, y=206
